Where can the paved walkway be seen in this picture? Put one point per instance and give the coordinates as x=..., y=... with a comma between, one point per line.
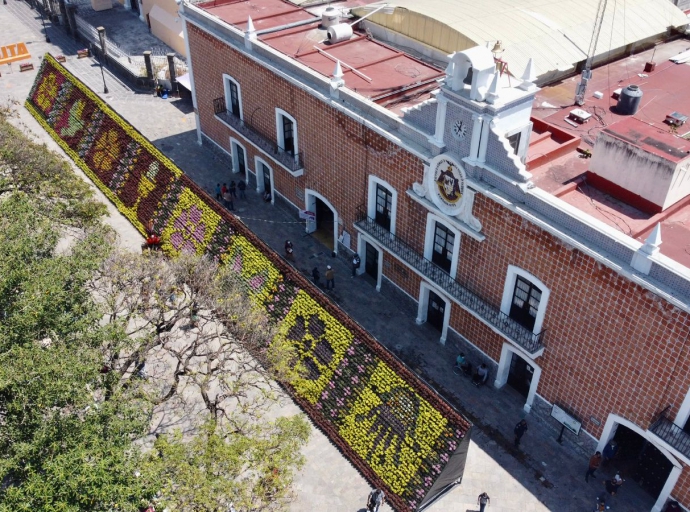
x=543, y=475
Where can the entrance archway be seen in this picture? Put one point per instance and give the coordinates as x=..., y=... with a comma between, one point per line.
x=518, y=370
x=325, y=227
x=433, y=308
x=642, y=459
x=264, y=178
x=372, y=258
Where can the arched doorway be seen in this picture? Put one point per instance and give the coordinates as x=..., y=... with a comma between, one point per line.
x=520, y=372
x=434, y=309
x=325, y=226
x=642, y=460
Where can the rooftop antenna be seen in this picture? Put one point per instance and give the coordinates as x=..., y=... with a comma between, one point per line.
x=587, y=71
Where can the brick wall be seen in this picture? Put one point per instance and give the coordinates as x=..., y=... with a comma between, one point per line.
x=339, y=153
x=611, y=346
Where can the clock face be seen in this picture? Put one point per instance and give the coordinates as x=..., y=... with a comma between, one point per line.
x=459, y=129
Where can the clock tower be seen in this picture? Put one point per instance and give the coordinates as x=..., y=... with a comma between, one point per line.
x=483, y=115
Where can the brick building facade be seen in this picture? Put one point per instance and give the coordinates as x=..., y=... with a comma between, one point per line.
x=548, y=296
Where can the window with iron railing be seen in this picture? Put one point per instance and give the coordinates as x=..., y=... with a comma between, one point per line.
x=461, y=292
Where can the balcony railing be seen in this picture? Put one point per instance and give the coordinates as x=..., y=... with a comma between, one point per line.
x=492, y=315
x=668, y=431
x=292, y=162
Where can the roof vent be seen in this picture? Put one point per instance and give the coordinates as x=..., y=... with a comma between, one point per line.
x=629, y=100
x=338, y=33
x=330, y=17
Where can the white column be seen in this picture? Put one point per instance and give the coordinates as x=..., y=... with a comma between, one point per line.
x=141, y=11
x=503, y=367
x=191, y=74
x=484, y=142
x=668, y=488
x=440, y=118
x=477, y=121
x=533, y=386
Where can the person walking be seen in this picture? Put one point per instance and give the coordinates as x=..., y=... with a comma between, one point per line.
x=289, y=251
x=330, y=278
x=233, y=189
x=594, y=463
x=316, y=276
x=219, y=195
x=519, y=431
x=375, y=500
x=242, y=186
x=356, y=262
x=223, y=189
x=483, y=500
x=612, y=486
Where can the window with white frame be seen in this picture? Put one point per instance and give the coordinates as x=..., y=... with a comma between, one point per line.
x=239, y=158
x=442, y=244
x=381, y=205
x=287, y=132
x=524, y=299
x=233, y=96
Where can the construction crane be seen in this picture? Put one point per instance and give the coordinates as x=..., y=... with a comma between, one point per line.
x=587, y=71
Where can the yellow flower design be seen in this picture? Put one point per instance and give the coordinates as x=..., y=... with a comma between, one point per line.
x=107, y=150
x=392, y=428
x=47, y=92
x=191, y=225
x=321, y=342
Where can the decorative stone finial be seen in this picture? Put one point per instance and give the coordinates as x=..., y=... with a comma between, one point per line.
x=528, y=76
x=337, y=80
x=250, y=25
x=492, y=95
x=249, y=34
x=642, y=259
x=651, y=245
x=338, y=72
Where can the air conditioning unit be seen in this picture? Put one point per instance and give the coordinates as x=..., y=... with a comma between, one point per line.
x=579, y=116
x=676, y=119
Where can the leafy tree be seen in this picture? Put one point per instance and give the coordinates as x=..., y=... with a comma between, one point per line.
x=95, y=345
x=250, y=470
x=203, y=345
x=29, y=167
x=63, y=446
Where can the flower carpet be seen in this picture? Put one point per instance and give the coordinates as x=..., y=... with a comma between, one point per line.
x=392, y=427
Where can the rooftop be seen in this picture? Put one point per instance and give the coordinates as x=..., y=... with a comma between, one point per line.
x=559, y=168
x=655, y=138
x=556, y=34
x=379, y=72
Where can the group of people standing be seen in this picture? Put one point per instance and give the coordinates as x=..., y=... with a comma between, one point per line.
x=227, y=194
x=330, y=274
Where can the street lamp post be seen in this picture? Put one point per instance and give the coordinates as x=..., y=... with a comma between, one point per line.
x=101, y=38
x=45, y=31
x=100, y=63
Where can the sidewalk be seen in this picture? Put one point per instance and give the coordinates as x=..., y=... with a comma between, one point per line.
x=543, y=475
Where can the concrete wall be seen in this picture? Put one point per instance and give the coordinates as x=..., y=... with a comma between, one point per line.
x=638, y=171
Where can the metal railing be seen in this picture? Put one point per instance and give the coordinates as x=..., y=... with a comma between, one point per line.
x=492, y=315
x=293, y=162
x=668, y=431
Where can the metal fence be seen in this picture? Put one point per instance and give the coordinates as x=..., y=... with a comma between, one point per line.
x=531, y=342
x=133, y=65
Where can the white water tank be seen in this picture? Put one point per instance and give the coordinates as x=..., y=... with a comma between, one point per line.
x=330, y=17
x=338, y=33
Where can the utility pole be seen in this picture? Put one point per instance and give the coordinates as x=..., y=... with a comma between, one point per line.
x=587, y=71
